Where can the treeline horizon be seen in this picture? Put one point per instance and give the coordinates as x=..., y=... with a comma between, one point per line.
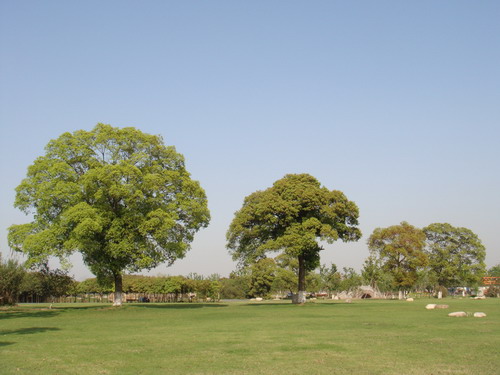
x=266, y=279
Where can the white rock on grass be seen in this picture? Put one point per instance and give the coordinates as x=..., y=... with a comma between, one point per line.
x=409, y=299
x=258, y=299
x=458, y=314
x=479, y=315
x=430, y=306
x=441, y=306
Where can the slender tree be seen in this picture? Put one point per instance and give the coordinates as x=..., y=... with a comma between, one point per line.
x=120, y=197
x=292, y=216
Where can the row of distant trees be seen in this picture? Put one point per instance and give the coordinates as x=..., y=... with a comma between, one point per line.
x=46, y=285
x=266, y=278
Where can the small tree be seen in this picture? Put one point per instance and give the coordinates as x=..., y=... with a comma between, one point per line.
x=118, y=196
x=12, y=274
x=351, y=280
x=262, y=275
x=494, y=271
x=234, y=287
x=330, y=278
x=376, y=276
x=292, y=216
x=400, y=250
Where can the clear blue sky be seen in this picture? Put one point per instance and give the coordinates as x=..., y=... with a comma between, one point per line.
x=395, y=103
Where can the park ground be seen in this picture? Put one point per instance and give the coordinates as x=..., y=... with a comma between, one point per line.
x=270, y=337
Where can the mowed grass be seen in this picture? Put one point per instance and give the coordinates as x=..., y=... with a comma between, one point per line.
x=364, y=337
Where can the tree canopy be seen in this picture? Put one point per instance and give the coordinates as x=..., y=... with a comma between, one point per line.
x=456, y=255
x=120, y=197
x=292, y=216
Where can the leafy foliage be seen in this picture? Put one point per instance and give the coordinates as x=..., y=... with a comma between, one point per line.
x=400, y=251
x=292, y=216
x=494, y=271
x=350, y=279
x=456, y=255
x=375, y=275
x=119, y=196
x=330, y=278
x=262, y=275
x=46, y=283
x=12, y=275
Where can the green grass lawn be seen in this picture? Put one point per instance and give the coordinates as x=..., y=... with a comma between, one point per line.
x=364, y=337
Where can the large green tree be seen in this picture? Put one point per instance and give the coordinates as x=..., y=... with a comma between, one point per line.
x=456, y=255
x=400, y=251
x=120, y=197
x=292, y=216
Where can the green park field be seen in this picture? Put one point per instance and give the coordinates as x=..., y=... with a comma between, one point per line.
x=270, y=337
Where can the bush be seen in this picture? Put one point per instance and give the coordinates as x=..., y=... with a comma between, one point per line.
x=492, y=291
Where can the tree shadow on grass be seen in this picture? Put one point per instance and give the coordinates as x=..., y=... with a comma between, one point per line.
x=45, y=312
x=12, y=314
x=82, y=308
x=27, y=331
x=5, y=343
x=177, y=305
x=283, y=304
x=290, y=304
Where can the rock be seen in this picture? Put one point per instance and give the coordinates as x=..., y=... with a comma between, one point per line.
x=479, y=315
x=481, y=297
x=258, y=299
x=409, y=299
x=430, y=306
x=348, y=300
x=458, y=314
x=441, y=306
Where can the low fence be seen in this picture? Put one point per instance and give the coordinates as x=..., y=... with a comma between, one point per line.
x=109, y=298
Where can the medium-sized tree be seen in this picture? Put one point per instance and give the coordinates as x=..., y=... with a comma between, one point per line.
x=456, y=255
x=400, y=250
x=292, y=217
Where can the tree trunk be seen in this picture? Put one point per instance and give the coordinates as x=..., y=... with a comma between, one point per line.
x=400, y=295
x=440, y=294
x=118, y=289
x=300, y=297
